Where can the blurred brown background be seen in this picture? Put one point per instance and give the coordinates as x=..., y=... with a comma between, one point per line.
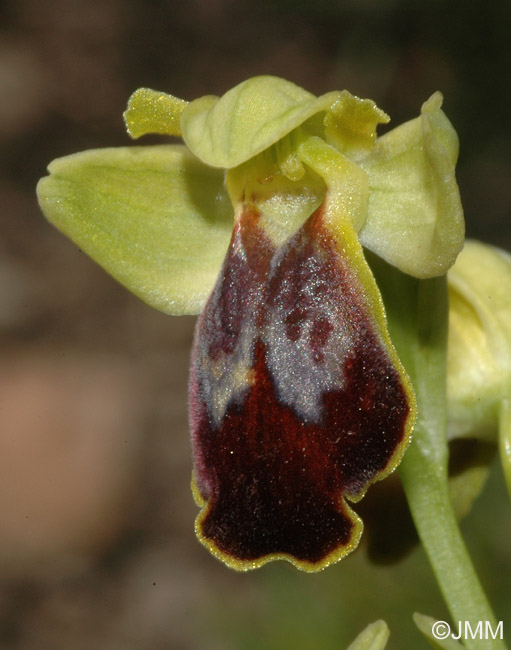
x=96, y=518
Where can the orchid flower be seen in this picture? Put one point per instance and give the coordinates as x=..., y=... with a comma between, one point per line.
x=316, y=255
x=298, y=400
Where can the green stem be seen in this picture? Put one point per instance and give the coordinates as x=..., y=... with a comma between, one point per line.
x=418, y=311
x=437, y=527
x=424, y=469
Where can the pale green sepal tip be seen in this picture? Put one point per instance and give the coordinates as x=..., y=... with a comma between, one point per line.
x=249, y=118
x=373, y=637
x=151, y=111
x=443, y=129
x=415, y=217
x=425, y=625
x=155, y=218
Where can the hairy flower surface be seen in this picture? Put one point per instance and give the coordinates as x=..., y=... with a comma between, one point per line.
x=298, y=401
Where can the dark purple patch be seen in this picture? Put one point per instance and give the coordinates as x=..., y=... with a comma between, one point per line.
x=321, y=330
x=294, y=399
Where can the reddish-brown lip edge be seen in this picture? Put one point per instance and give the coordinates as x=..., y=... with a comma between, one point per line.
x=297, y=400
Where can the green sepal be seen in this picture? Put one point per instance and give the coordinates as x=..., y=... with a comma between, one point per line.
x=155, y=218
x=249, y=118
x=415, y=218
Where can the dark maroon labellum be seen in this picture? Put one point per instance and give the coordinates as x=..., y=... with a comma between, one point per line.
x=296, y=400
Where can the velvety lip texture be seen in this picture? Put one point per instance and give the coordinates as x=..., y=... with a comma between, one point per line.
x=294, y=400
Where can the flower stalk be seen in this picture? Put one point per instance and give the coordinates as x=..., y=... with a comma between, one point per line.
x=418, y=321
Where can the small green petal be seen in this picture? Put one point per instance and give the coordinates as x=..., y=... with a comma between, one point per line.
x=151, y=111
x=374, y=637
x=415, y=218
x=346, y=182
x=154, y=217
x=227, y=131
x=425, y=625
x=350, y=125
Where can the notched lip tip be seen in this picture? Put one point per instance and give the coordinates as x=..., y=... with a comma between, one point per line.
x=306, y=566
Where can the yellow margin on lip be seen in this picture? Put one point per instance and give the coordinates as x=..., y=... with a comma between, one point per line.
x=250, y=565
x=347, y=243
x=338, y=222
x=349, y=247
